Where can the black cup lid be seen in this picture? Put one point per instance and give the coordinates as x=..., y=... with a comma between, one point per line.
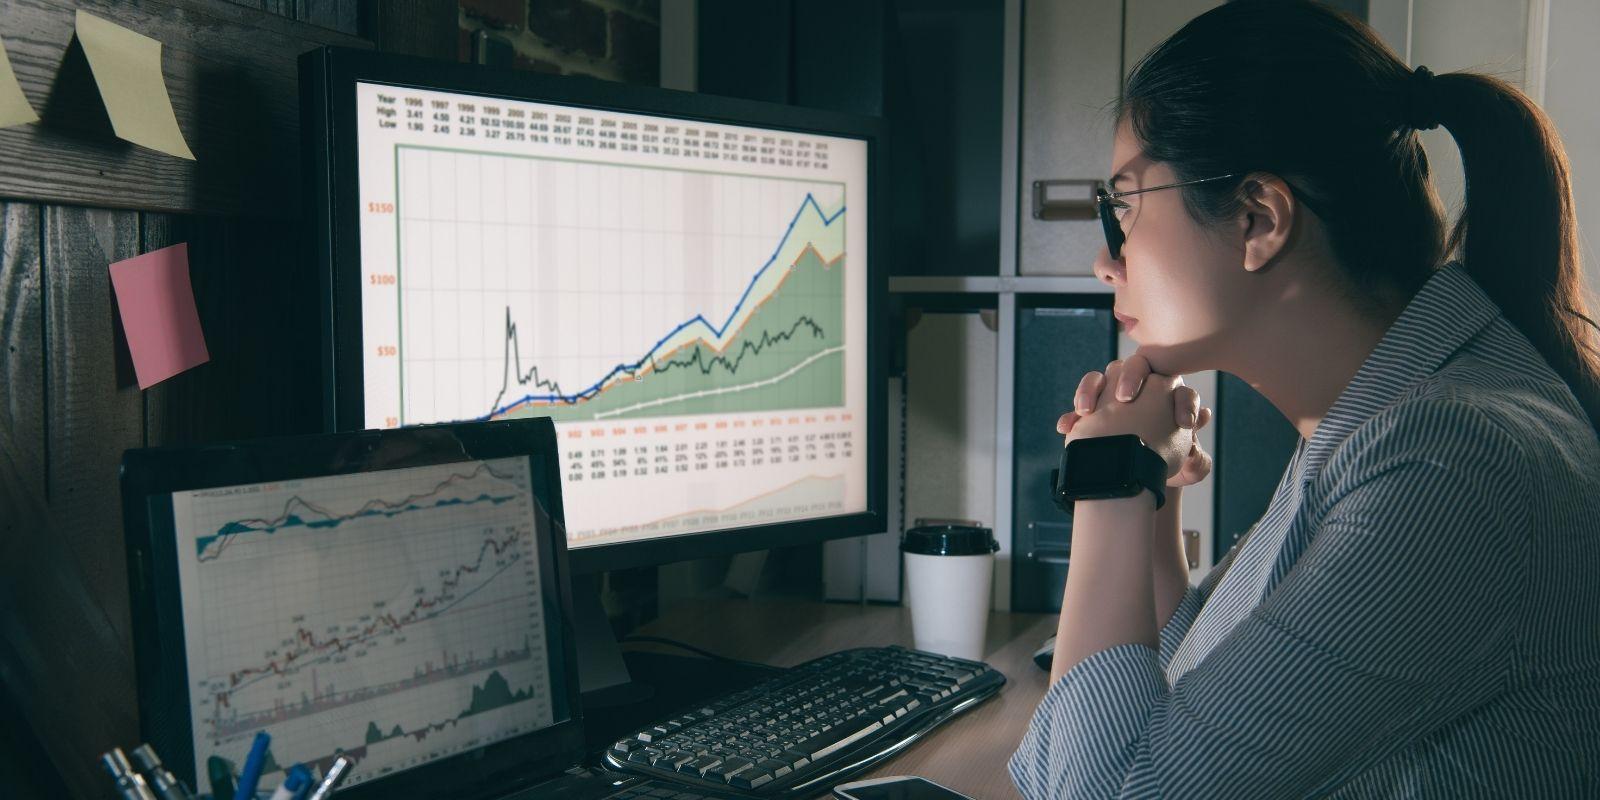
x=949, y=540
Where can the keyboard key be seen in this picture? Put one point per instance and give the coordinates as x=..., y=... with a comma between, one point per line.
x=825, y=745
x=777, y=767
x=750, y=779
x=893, y=699
x=700, y=765
x=674, y=759
x=729, y=768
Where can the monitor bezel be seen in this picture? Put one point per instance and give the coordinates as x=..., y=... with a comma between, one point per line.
x=150, y=476
x=330, y=134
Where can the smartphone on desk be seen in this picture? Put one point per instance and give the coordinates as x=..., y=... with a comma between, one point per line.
x=898, y=787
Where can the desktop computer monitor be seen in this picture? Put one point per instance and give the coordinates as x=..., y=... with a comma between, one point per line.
x=691, y=287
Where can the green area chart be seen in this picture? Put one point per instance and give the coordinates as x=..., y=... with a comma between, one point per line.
x=495, y=693
x=788, y=353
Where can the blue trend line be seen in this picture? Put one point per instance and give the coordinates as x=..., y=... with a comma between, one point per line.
x=716, y=330
x=233, y=529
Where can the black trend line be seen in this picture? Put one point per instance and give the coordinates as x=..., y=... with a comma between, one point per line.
x=750, y=347
x=422, y=610
x=511, y=365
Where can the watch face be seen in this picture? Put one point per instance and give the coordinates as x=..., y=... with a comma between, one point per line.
x=1100, y=466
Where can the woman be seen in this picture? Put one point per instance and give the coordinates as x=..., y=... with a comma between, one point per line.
x=1418, y=612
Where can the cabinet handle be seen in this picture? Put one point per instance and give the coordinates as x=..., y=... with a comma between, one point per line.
x=1071, y=198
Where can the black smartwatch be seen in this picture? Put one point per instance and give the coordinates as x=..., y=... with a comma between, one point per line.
x=1107, y=466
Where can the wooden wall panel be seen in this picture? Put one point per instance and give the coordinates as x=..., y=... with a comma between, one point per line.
x=258, y=310
x=65, y=655
x=339, y=15
x=68, y=408
x=233, y=78
x=91, y=419
x=21, y=347
x=416, y=27
x=64, y=666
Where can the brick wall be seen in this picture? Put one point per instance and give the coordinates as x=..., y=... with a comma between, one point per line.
x=616, y=40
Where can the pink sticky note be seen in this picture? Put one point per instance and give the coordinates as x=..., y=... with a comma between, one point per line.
x=158, y=314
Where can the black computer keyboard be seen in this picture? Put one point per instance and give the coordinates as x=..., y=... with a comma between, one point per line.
x=800, y=732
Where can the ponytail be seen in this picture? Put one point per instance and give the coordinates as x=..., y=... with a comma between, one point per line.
x=1517, y=235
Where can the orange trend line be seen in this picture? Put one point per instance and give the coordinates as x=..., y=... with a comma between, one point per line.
x=809, y=248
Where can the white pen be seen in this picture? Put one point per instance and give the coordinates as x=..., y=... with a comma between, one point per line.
x=331, y=780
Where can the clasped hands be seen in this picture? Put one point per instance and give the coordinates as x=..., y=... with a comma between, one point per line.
x=1158, y=408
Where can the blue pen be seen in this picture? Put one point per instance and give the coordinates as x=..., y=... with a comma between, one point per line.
x=251, y=774
x=295, y=783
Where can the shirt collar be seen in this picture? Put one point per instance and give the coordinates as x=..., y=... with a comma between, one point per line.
x=1449, y=309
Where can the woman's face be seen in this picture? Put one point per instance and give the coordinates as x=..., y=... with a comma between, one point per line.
x=1185, y=286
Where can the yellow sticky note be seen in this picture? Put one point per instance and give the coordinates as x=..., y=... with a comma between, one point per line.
x=14, y=108
x=127, y=68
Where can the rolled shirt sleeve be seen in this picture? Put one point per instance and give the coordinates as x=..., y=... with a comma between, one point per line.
x=1382, y=631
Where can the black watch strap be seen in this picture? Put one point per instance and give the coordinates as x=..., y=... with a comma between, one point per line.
x=1131, y=463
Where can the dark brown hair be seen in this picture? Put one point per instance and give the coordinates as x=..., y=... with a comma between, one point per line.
x=1312, y=95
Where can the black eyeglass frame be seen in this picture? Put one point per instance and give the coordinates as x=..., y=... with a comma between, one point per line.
x=1106, y=202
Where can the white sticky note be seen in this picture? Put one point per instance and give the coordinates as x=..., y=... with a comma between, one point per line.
x=127, y=68
x=14, y=107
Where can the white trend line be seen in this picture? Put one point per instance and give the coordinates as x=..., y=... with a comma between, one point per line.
x=724, y=390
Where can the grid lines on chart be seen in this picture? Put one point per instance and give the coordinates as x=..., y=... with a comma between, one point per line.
x=486, y=237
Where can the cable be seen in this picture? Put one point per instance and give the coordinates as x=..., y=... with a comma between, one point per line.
x=691, y=648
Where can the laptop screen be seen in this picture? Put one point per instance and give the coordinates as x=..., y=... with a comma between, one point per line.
x=395, y=616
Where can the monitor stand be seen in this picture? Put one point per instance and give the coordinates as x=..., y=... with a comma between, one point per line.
x=623, y=692
x=602, y=671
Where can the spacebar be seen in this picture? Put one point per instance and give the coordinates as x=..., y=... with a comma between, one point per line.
x=827, y=744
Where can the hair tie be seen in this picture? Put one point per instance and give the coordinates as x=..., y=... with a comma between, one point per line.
x=1421, y=111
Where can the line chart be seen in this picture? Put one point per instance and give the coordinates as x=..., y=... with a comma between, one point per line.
x=711, y=332
x=232, y=529
x=312, y=607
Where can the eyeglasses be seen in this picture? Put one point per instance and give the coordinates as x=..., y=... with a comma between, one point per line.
x=1110, y=207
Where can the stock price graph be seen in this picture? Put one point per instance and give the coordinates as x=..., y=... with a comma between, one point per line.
x=776, y=350
x=390, y=616
x=686, y=299
x=605, y=291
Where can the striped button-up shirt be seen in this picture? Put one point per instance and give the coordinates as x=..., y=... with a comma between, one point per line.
x=1416, y=615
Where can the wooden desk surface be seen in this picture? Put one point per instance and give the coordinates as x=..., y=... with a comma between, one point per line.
x=968, y=753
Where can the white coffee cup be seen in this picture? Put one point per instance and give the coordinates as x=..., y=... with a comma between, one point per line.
x=949, y=569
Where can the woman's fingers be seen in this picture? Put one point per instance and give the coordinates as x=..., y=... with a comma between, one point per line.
x=1134, y=370
x=1065, y=423
x=1196, y=467
x=1088, y=394
x=1205, y=417
x=1186, y=407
